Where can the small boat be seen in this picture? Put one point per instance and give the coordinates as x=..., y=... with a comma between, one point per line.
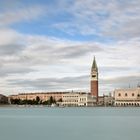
x=53, y=105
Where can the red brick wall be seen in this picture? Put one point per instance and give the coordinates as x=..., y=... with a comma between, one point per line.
x=94, y=88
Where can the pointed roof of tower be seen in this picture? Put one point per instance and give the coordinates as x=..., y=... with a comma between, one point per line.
x=94, y=65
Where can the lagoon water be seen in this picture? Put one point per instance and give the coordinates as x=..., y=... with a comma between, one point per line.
x=69, y=123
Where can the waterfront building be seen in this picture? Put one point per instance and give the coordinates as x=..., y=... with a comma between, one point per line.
x=94, y=80
x=70, y=99
x=61, y=98
x=100, y=101
x=78, y=99
x=91, y=100
x=43, y=96
x=127, y=97
x=3, y=99
x=108, y=100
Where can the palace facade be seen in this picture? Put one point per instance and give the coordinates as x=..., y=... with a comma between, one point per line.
x=127, y=97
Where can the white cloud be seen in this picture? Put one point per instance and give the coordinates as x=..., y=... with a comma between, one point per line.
x=54, y=58
x=8, y=36
x=104, y=18
x=37, y=62
x=21, y=14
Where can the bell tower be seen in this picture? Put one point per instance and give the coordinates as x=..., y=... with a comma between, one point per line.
x=94, y=80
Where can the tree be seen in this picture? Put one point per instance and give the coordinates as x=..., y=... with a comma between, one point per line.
x=51, y=100
x=60, y=100
x=37, y=100
x=15, y=101
x=45, y=103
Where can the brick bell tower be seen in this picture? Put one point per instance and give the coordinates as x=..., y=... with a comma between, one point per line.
x=94, y=80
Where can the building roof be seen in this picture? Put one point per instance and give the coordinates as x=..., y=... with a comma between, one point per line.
x=127, y=89
x=2, y=95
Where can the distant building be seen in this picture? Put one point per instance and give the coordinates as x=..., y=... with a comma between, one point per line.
x=70, y=99
x=94, y=80
x=3, y=99
x=62, y=98
x=127, y=97
x=78, y=99
x=100, y=101
x=108, y=100
x=43, y=96
x=86, y=100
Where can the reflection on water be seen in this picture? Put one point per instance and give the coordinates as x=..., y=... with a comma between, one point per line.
x=69, y=123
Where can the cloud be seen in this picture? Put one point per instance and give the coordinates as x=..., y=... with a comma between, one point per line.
x=52, y=84
x=110, y=84
x=49, y=50
x=11, y=70
x=35, y=62
x=11, y=42
x=19, y=14
x=110, y=18
x=25, y=52
x=8, y=36
x=124, y=80
x=77, y=83
x=10, y=49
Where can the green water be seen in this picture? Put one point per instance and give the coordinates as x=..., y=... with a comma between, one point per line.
x=69, y=123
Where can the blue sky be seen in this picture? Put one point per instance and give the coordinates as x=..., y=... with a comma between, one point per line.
x=49, y=45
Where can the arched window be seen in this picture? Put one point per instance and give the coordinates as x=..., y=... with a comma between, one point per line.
x=132, y=94
x=125, y=94
x=138, y=95
x=119, y=94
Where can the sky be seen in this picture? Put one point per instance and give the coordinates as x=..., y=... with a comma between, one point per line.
x=49, y=45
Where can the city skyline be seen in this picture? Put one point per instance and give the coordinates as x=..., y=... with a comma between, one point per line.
x=49, y=45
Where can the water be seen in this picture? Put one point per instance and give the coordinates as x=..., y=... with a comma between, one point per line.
x=69, y=123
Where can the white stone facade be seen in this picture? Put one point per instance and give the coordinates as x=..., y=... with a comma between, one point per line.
x=70, y=99
x=127, y=97
x=77, y=99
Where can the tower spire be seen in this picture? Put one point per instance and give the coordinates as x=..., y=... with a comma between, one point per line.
x=94, y=64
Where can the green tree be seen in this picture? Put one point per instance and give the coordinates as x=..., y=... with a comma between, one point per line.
x=60, y=100
x=15, y=101
x=37, y=100
x=45, y=103
x=52, y=100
